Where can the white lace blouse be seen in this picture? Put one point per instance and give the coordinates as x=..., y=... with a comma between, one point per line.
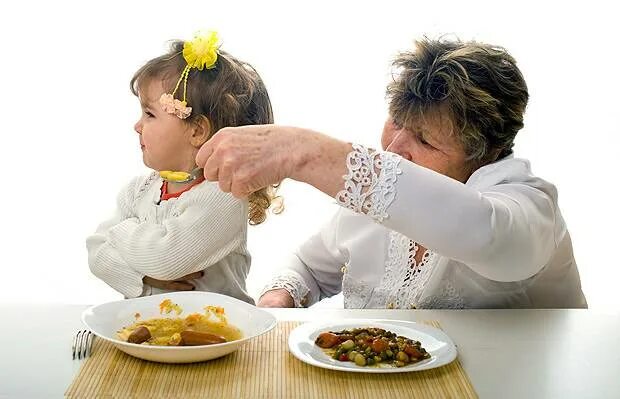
x=498, y=241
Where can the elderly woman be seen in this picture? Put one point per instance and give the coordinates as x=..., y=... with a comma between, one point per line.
x=443, y=217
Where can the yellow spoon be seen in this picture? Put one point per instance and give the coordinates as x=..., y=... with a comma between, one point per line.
x=181, y=177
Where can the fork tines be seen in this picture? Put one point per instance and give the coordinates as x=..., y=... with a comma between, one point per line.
x=82, y=344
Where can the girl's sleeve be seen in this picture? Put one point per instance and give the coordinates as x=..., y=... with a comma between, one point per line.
x=505, y=232
x=104, y=260
x=208, y=226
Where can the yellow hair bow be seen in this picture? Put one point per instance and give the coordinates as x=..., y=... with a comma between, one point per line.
x=200, y=53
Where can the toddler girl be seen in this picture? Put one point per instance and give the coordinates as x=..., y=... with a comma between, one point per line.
x=170, y=236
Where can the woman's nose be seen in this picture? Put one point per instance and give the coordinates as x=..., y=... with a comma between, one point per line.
x=138, y=127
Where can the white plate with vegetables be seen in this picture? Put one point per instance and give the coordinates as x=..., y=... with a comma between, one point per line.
x=372, y=346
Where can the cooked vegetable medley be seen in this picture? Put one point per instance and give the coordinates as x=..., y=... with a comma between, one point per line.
x=371, y=347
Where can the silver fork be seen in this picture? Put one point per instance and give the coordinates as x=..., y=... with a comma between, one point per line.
x=82, y=344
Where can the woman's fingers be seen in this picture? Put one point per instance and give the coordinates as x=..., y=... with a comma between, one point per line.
x=211, y=169
x=240, y=187
x=244, y=159
x=206, y=157
x=225, y=175
x=222, y=156
x=205, y=151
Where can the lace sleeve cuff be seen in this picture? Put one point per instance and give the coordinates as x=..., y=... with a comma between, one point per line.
x=294, y=285
x=370, y=185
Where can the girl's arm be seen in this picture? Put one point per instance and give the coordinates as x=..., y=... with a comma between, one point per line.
x=104, y=260
x=106, y=263
x=209, y=226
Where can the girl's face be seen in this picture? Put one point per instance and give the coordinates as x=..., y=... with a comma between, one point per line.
x=428, y=143
x=164, y=138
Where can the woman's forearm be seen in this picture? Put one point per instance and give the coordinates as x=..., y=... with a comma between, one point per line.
x=322, y=163
x=245, y=159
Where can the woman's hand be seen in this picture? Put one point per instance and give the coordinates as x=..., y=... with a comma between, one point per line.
x=278, y=298
x=247, y=158
x=180, y=284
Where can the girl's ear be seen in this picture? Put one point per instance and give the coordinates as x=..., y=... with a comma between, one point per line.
x=201, y=131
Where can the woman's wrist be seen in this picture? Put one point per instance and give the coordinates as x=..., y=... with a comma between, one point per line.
x=276, y=298
x=320, y=162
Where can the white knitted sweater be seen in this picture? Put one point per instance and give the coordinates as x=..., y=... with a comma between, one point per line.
x=203, y=229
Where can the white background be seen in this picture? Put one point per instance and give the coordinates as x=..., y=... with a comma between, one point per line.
x=67, y=114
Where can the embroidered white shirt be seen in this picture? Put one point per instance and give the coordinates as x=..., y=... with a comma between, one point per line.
x=498, y=241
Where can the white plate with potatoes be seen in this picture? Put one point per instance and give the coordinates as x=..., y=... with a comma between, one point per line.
x=109, y=319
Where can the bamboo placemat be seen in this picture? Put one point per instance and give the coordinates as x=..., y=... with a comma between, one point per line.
x=263, y=368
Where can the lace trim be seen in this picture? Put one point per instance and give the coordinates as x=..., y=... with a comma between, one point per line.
x=370, y=185
x=356, y=294
x=447, y=298
x=295, y=286
x=404, y=279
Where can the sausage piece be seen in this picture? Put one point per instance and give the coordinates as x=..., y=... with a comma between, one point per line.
x=193, y=338
x=139, y=335
x=327, y=340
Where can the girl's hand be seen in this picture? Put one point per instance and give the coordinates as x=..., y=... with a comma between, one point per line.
x=278, y=298
x=180, y=284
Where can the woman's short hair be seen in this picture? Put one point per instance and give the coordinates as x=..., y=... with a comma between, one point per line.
x=479, y=85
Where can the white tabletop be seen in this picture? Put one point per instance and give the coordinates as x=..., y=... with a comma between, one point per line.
x=506, y=353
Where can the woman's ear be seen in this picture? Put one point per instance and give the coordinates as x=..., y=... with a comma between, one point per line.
x=201, y=131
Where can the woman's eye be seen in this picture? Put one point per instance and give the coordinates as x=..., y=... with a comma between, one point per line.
x=149, y=114
x=424, y=142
